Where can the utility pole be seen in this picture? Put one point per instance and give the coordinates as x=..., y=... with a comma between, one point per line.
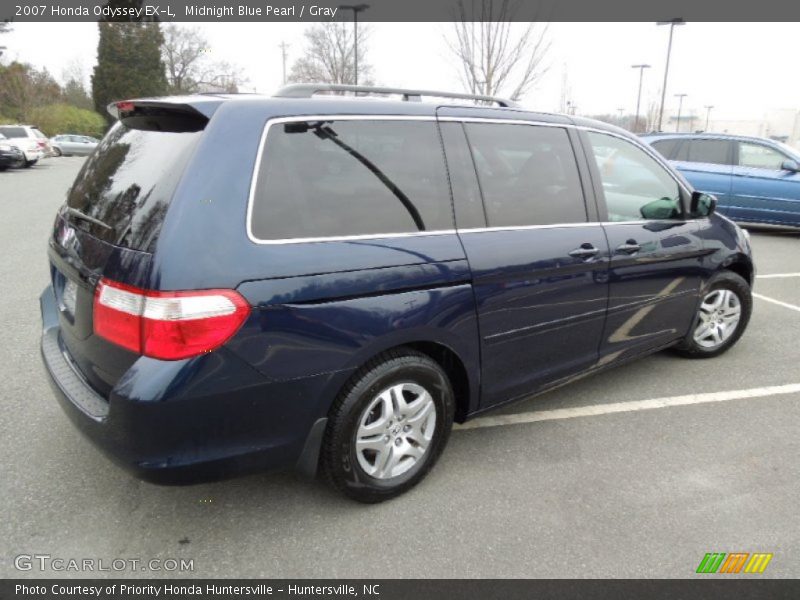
x=708, y=108
x=639, y=95
x=356, y=8
x=680, y=98
x=283, y=46
x=672, y=25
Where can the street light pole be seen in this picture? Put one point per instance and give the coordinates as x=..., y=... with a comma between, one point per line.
x=356, y=8
x=672, y=25
x=639, y=95
x=283, y=46
x=708, y=108
x=680, y=106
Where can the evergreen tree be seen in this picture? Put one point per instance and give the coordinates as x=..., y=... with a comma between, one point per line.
x=129, y=63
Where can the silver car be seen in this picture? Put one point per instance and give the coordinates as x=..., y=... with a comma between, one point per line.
x=69, y=145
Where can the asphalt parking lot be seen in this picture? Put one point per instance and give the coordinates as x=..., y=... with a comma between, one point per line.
x=556, y=486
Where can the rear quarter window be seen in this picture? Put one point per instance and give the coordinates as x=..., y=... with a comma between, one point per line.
x=329, y=179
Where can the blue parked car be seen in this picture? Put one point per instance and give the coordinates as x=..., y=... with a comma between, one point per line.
x=755, y=180
x=243, y=283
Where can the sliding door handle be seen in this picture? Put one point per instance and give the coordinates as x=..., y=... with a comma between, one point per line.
x=629, y=247
x=585, y=251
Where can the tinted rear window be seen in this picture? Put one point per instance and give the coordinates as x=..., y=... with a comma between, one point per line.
x=129, y=182
x=14, y=132
x=343, y=178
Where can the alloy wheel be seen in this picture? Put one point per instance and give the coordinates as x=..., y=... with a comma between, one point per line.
x=717, y=319
x=395, y=430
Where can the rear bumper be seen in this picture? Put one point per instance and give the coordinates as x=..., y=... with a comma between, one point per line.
x=187, y=421
x=34, y=154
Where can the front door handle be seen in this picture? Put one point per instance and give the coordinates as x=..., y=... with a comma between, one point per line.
x=585, y=251
x=629, y=247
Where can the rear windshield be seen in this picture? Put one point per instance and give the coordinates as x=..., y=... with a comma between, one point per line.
x=13, y=132
x=128, y=183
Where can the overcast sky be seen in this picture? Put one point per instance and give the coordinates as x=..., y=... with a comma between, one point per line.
x=743, y=69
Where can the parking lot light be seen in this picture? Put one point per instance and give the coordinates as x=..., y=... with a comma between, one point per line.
x=672, y=25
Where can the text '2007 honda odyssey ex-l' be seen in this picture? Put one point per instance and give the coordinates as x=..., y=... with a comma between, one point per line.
x=245, y=282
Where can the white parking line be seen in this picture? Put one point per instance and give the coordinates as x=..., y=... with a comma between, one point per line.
x=636, y=405
x=777, y=275
x=778, y=302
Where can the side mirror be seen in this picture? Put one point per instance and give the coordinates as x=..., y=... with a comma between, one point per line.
x=703, y=205
x=790, y=165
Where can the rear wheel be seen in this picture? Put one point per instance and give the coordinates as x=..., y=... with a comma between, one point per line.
x=721, y=318
x=57, y=152
x=388, y=427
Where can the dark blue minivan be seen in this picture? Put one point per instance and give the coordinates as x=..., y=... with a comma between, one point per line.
x=318, y=281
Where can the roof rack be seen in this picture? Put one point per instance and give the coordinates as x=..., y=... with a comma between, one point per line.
x=307, y=90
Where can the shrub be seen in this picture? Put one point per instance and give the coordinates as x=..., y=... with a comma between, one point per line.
x=63, y=118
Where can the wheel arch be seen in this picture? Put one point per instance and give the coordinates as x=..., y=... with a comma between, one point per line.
x=463, y=375
x=741, y=265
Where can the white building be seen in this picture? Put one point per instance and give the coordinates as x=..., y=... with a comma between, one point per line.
x=780, y=124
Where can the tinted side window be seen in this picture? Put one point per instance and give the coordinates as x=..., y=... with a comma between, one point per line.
x=667, y=148
x=759, y=157
x=463, y=180
x=709, y=151
x=528, y=174
x=14, y=132
x=636, y=187
x=342, y=178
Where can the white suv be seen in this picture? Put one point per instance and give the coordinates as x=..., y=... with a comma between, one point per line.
x=33, y=143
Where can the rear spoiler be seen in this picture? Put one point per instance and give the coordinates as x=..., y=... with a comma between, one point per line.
x=198, y=106
x=163, y=114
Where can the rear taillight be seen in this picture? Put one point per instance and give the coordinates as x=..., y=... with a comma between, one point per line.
x=167, y=325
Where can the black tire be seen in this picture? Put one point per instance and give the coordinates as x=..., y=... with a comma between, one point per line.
x=29, y=163
x=57, y=152
x=724, y=280
x=339, y=460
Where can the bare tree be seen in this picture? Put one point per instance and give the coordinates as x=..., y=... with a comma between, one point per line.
x=497, y=56
x=189, y=67
x=329, y=55
x=651, y=115
x=73, y=90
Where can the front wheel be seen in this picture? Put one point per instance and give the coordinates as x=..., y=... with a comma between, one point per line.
x=29, y=163
x=388, y=426
x=721, y=318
